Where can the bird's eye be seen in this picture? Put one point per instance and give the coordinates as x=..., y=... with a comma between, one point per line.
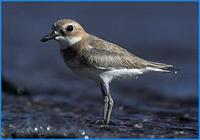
x=69, y=28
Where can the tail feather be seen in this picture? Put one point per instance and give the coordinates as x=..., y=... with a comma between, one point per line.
x=163, y=67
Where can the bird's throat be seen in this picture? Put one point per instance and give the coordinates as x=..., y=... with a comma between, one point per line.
x=66, y=42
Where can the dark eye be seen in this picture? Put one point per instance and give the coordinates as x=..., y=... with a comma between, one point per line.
x=69, y=28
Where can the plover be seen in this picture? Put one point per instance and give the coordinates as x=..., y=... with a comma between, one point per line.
x=99, y=60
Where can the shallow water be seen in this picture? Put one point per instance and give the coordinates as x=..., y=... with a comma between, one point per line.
x=43, y=98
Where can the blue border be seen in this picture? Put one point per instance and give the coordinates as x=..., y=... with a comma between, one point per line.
x=103, y=1
x=103, y=138
x=198, y=67
x=99, y=0
x=1, y=69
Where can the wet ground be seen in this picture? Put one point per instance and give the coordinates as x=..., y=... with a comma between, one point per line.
x=43, y=98
x=144, y=114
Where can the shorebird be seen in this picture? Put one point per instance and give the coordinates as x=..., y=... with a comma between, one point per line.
x=99, y=60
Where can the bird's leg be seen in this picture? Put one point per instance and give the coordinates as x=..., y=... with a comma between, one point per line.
x=110, y=106
x=108, y=102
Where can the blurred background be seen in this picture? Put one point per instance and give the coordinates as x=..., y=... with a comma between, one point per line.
x=160, y=32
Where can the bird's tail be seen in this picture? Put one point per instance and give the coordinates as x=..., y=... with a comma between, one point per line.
x=154, y=66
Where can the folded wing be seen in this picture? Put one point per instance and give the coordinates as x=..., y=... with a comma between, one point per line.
x=105, y=55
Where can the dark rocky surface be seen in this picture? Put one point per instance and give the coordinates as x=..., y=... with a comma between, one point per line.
x=143, y=114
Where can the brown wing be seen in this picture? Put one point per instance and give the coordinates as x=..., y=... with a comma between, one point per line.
x=105, y=55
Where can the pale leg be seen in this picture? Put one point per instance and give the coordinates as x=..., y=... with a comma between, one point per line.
x=108, y=102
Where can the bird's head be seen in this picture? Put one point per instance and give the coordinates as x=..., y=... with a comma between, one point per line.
x=67, y=32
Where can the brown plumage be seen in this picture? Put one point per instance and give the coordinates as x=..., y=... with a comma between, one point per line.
x=106, y=55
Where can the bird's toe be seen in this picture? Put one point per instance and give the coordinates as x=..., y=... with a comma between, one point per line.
x=101, y=122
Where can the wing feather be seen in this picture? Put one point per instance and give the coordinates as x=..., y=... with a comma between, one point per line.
x=106, y=55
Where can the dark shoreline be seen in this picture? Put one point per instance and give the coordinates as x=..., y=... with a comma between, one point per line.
x=145, y=114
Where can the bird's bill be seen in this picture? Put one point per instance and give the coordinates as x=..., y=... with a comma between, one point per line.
x=49, y=37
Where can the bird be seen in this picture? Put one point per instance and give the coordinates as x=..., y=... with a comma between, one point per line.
x=92, y=57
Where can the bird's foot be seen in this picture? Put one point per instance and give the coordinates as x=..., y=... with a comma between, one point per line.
x=101, y=122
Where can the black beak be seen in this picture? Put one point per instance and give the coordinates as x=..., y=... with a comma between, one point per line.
x=48, y=37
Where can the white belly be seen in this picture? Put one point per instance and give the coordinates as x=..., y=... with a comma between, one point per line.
x=96, y=74
x=122, y=73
